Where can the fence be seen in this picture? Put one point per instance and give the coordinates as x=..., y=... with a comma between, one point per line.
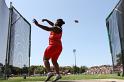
x=15, y=40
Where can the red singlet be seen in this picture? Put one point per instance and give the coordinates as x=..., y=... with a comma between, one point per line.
x=55, y=46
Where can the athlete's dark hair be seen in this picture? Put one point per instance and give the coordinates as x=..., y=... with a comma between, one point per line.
x=61, y=20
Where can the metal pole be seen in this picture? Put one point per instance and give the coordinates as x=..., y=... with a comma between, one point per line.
x=74, y=51
x=75, y=59
x=8, y=44
x=29, y=51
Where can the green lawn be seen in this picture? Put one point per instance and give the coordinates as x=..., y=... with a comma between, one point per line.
x=67, y=77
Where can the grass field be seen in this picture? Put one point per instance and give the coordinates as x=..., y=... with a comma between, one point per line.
x=67, y=77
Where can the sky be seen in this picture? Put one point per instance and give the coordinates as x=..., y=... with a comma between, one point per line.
x=89, y=37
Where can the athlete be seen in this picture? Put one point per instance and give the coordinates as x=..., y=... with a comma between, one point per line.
x=54, y=49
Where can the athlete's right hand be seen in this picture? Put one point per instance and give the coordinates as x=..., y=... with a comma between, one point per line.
x=44, y=20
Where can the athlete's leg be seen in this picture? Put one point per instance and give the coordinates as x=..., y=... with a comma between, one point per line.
x=46, y=59
x=55, y=57
x=56, y=66
x=47, y=64
x=55, y=63
x=47, y=56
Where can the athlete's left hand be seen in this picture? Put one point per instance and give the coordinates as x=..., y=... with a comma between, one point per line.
x=35, y=21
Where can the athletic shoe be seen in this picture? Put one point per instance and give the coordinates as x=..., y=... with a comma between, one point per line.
x=57, y=78
x=49, y=75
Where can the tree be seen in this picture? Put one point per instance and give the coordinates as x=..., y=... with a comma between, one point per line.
x=40, y=70
x=24, y=70
x=32, y=70
x=119, y=59
x=83, y=69
x=37, y=70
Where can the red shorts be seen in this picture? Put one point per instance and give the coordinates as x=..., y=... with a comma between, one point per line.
x=53, y=52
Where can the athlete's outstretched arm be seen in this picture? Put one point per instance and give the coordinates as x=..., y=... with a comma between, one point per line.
x=42, y=26
x=54, y=29
x=51, y=23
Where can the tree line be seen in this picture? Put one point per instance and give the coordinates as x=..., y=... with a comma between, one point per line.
x=41, y=70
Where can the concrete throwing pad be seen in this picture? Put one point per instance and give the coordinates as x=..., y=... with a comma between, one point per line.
x=94, y=80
